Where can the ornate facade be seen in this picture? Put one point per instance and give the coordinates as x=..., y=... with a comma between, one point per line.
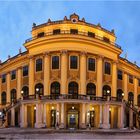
x=71, y=76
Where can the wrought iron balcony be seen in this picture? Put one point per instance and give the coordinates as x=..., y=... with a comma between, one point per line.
x=63, y=32
x=71, y=97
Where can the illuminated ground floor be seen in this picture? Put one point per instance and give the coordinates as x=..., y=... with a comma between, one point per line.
x=71, y=115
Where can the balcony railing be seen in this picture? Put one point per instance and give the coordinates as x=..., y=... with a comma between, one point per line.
x=71, y=97
x=78, y=33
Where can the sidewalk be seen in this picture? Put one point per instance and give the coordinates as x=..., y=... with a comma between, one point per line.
x=14, y=130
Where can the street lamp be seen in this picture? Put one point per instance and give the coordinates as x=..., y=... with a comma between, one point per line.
x=108, y=97
x=22, y=92
x=88, y=117
x=57, y=119
x=37, y=93
x=122, y=96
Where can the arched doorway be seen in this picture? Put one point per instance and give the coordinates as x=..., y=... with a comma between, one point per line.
x=106, y=91
x=91, y=89
x=13, y=95
x=39, y=89
x=25, y=91
x=119, y=94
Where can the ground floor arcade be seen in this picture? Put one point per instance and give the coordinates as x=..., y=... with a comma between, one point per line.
x=71, y=115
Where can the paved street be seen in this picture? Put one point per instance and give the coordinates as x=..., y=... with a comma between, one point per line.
x=17, y=133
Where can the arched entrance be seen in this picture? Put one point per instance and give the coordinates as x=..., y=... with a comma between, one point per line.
x=73, y=118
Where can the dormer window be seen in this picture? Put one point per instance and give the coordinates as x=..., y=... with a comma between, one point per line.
x=74, y=31
x=90, y=34
x=106, y=39
x=56, y=31
x=42, y=34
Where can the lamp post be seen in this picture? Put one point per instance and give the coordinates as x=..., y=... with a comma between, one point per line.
x=108, y=97
x=37, y=93
x=57, y=120
x=88, y=119
x=122, y=96
x=22, y=94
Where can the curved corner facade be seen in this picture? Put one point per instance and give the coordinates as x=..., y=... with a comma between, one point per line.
x=71, y=76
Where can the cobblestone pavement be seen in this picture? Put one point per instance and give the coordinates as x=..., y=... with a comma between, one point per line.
x=17, y=133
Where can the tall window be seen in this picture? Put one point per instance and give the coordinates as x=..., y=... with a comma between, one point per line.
x=39, y=89
x=139, y=82
x=25, y=71
x=13, y=74
x=106, y=91
x=25, y=91
x=55, y=88
x=73, y=88
x=3, y=78
x=91, y=64
x=3, y=98
x=120, y=75
x=73, y=62
x=13, y=95
x=107, y=68
x=55, y=62
x=56, y=31
x=138, y=100
x=91, y=89
x=130, y=97
x=74, y=31
x=39, y=64
x=131, y=79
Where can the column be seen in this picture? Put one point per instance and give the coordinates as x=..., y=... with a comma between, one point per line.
x=62, y=116
x=31, y=76
x=8, y=87
x=106, y=124
x=19, y=83
x=101, y=117
x=99, y=76
x=114, y=79
x=130, y=117
x=121, y=116
x=83, y=123
x=13, y=117
x=57, y=115
x=135, y=90
x=0, y=89
x=38, y=123
x=83, y=67
x=23, y=116
x=46, y=73
x=125, y=86
x=45, y=115
x=64, y=72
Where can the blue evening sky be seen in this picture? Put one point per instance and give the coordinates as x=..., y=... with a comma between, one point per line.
x=16, y=18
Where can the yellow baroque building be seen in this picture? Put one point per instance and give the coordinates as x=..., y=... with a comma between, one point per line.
x=71, y=76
